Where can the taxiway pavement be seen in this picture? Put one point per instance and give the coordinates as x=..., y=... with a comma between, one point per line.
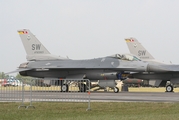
x=93, y=96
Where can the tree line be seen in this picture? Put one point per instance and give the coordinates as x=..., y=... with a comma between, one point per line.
x=3, y=75
x=18, y=76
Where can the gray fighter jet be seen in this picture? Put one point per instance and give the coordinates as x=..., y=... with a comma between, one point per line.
x=42, y=64
x=37, y=52
x=155, y=78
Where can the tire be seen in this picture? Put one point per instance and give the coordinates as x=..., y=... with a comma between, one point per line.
x=169, y=88
x=64, y=88
x=116, y=89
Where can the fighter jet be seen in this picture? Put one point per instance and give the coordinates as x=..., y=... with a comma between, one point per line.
x=36, y=51
x=110, y=68
x=42, y=64
x=155, y=78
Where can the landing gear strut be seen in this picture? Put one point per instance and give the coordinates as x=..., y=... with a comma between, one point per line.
x=82, y=87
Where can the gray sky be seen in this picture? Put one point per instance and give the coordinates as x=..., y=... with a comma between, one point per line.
x=84, y=29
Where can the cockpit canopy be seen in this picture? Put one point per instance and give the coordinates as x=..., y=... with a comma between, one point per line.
x=128, y=57
x=23, y=65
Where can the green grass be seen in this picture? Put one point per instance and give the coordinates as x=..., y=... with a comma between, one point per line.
x=131, y=89
x=99, y=111
x=57, y=88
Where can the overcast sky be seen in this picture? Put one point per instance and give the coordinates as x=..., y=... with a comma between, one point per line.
x=84, y=29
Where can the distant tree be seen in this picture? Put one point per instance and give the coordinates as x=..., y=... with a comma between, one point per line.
x=3, y=75
x=25, y=79
x=18, y=76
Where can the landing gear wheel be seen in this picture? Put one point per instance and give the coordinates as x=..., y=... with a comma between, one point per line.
x=169, y=88
x=64, y=88
x=116, y=89
x=82, y=87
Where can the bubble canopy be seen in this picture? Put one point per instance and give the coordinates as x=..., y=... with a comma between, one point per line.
x=128, y=57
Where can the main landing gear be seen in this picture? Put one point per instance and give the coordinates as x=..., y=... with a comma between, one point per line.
x=116, y=89
x=81, y=86
x=64, y=88
x=169, y=88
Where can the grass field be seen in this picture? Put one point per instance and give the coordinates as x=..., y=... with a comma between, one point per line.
x=99, y=111
x=149, y=89
x=57, y=88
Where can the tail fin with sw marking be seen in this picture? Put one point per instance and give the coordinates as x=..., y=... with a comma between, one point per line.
x=137, y=49
x=34, y=48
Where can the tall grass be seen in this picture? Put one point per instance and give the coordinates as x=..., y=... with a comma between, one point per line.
x=99, y=111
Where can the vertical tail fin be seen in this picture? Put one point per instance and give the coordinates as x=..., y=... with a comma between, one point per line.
x=31, y=44
x=34, y=48
x=137, y=49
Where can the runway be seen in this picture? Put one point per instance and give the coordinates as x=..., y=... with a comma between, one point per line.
x=136, y=97
x=93, y=96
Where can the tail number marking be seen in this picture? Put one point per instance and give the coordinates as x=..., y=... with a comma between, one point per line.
x=141, y=53
x=36, y=46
